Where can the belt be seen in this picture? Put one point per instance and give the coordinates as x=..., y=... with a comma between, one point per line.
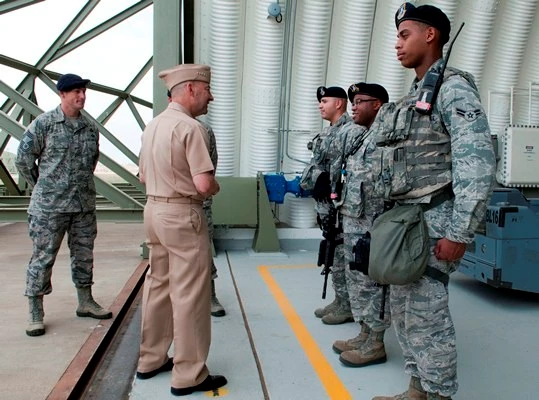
x=176, y=200
x=438, y=275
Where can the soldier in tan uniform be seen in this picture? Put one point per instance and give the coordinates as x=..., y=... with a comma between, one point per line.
x=176, y=167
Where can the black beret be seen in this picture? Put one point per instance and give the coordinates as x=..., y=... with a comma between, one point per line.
x=427, y=14
x=332, y=91
x=370, y=89
x=69, y=82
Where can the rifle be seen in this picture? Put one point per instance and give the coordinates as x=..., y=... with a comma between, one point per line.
x=326, y=252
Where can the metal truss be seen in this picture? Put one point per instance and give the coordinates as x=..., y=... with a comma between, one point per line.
x=115, y=202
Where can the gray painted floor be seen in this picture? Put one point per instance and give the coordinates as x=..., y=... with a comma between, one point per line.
x=497, y=338
x=497, y=330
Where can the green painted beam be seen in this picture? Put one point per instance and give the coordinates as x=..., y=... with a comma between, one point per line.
x=167, y=17
x=121, y=172
x=99, y=29
x=17, y=130
x=14, y=201
x=116, y=195
x=47, y=76
x=59, y=42
x=106, y=189
x=8, y=181
x=111, y=109
x=12, y=5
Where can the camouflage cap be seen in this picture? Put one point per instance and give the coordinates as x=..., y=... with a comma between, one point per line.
x=427, y=14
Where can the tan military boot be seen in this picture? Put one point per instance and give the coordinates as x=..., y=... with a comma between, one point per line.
x=372, y=352
x=352, y=344
x=414, y=392
x=88, y=307
x=338, y=316
x=36, y=315
x=217, y=310
x=320, y=312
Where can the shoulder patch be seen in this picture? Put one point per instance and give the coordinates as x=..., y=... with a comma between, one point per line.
x=469, y=115
x=27, y=143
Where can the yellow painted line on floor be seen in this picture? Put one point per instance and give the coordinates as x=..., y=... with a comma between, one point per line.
x=331, y=382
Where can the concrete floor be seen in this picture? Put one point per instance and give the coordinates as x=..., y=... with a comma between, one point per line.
x=269, y=345
x=276, y=294
x=31, y=366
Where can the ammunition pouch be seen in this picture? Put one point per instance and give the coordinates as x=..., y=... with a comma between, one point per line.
x=361, y=254
x=326, y=251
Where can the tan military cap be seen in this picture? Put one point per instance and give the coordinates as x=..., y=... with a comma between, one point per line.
x=185, y=72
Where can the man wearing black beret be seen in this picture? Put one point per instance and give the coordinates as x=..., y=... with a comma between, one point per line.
x=439, y=135
x=57, y=156
x=358, y=209
x=322, y=176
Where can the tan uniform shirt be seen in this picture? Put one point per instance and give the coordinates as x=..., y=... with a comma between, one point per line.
x=174, y=149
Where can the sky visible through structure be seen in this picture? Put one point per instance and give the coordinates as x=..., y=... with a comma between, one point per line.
x=111, y=59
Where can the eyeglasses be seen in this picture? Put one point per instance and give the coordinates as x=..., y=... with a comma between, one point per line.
x=359, y=101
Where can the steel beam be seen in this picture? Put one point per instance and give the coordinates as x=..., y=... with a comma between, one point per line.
x=12, y=5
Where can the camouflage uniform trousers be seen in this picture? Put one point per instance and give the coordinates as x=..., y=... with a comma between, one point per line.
x=338, y=276
x=365, y=295
x=47, y=232
x=209, y=218
x=425, y=330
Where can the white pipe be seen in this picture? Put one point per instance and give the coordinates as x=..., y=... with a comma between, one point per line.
x=262, y=83
x=529, y=76
x=471, y=48
x=225, y=53
x=311, y=42
x=502, y=70
x=351, y=34
x=384, y=68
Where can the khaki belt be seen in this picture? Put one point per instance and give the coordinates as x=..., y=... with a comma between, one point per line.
x=176, y=200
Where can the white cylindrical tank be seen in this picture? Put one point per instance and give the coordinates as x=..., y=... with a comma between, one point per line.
x=261, y=89
x=225, y=53
x=471, y=48
x=514, y=22
x=350, y=42
x=309, y=65
x=384, y=68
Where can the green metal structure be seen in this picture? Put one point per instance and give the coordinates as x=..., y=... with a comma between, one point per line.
x=172, y=44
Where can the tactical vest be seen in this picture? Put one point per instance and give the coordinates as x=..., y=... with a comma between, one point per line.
x=324, y=151
x=358, y=198
x=413, y=158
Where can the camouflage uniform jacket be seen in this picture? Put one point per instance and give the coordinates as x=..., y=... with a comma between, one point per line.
x=212, y=146
x=328, y=151
x=457, y=112
x=66, y=152
x=359, y=199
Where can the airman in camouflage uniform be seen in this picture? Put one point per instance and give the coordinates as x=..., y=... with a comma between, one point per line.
x=217, y=310
x=359, y=208
x=449, y=149
x=65, y=145
x=322, y=176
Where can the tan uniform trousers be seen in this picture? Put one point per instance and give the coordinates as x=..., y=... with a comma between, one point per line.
x=176, y=296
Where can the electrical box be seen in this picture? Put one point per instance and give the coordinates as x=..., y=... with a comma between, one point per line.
x=519, y=159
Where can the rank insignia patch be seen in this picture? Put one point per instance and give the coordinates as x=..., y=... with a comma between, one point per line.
x=469, y=115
